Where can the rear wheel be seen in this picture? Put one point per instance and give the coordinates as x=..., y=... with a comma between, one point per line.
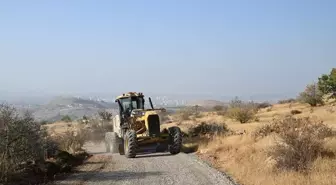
x=130, y=144
x=175, y=140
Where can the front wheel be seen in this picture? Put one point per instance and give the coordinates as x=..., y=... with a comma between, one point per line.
x=130, y=144
x=175, y=140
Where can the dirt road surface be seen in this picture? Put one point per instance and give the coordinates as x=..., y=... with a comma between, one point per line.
x=151, y=169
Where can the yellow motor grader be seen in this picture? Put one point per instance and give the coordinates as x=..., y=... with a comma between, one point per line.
x=137, y=130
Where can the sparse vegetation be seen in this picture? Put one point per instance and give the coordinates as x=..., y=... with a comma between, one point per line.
x=242, y=111
x=71, y=141
x=105, y=115
x=263, y=105
x=269, y=109
x=291, y=150
x=290, y=100
x=220, y=109
x=301, y=142
x=208, y=129
x=97, y=130
x=312, y=95
x=183, y=114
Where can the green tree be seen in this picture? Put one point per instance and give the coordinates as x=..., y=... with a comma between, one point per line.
x=327, y=84
x=66, y=118
x=312, y=95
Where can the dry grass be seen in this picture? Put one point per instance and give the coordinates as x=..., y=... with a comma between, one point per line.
x=247, y=162
x=248, y=159
x=72, y=136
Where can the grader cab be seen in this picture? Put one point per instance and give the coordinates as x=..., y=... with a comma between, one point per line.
x=137, y=129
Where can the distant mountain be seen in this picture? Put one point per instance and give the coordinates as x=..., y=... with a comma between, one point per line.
x=80, y=102
x=75, y=107
x=205, y=103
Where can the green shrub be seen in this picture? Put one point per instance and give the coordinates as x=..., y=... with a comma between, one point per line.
x=327, y=83
x=66, y=118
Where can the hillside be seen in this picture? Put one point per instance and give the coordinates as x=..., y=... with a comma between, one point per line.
x=206, y=103
x=72, y=106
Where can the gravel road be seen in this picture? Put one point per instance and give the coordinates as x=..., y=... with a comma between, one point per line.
x=150, y=169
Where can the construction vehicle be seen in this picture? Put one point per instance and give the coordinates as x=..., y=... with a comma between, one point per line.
x=137, y=130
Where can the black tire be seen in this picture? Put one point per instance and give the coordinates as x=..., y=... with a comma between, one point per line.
x=112, y=142
x=175, y=140
x=121, y=148
x=130, y=144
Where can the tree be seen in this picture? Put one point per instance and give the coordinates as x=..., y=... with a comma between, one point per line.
x=327, y=84
x=21, y=140
x=104, y=115
x=66, y=118
x=242, y=111
x=312, y=95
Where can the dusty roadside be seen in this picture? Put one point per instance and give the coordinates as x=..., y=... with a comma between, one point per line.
x=151, y=169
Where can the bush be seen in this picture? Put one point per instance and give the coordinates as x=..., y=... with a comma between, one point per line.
x=242, y=111
x=208, y=129
x=21, y=140
x=301, y=142
x=104, y=115
x=220, y=109
x=312, y=95
x=98, y=129
x=293, y=112
x=263, y=105
x=290, y=100
x=66, y=118
x=71, y=141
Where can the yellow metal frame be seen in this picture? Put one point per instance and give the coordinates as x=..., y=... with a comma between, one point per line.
x=130, y=94
x=144, y=138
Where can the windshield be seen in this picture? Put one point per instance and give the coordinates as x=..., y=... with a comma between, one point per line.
x=132, y=103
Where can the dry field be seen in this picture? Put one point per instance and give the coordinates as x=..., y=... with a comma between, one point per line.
x=245, y=158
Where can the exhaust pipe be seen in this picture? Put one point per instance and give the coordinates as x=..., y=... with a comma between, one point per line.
x=151, y=104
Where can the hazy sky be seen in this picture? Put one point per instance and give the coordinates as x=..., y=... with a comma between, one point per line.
x=225, y=47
